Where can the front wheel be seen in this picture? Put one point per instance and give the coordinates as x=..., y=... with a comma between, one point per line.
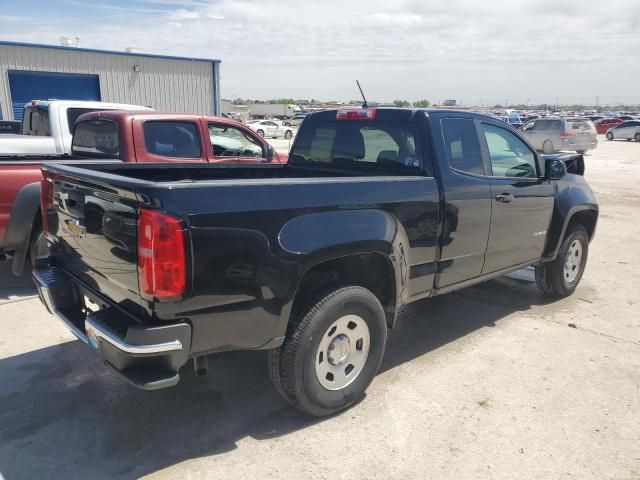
x=609, y=136
x=261, y=133
x=547, y=147
x=637, y=137
x=561, y=277
x=288, y=134
x=332, y=352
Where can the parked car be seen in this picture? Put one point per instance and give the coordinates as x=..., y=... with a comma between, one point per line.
x=294, y=121
x=626, y=117
x=270, y=129
x=629, y=130
x=47, y=126
x=594, y=118
x=514, y=120
x=602, y=126
x=310, y=260
x=136, y=137
x=551, y=135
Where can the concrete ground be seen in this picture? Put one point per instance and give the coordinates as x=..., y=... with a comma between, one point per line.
x=493, y=382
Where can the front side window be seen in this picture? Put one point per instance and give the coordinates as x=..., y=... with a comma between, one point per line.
x=172, y=139
x=228, y=141
x=96, y=138
x=462, y=145
x=510, y=156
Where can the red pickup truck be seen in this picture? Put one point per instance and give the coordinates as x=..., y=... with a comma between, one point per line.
x=118, y=136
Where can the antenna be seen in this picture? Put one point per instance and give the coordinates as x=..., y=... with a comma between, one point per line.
x=364, y=105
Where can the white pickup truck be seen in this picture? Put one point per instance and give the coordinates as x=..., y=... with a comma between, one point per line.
x=47, y=126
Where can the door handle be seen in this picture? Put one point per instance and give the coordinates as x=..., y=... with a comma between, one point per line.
x=504, y=197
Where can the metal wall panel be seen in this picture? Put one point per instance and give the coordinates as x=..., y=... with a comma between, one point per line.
x=165, y=84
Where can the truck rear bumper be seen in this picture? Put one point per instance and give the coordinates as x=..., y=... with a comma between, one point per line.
x=147, y=357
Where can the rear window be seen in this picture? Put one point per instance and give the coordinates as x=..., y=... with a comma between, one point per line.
x=372, y=145
x=96, y=138
x=172, y=139
x=579, y=124
x=35, y=122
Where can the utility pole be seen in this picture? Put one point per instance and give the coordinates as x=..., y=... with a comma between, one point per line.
x=557, y=104
x=597, y=101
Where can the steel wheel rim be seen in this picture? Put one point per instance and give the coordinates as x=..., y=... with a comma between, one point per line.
x=573, y=261
x=342, y=352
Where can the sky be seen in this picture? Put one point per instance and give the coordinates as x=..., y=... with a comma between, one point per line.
x=478, y=52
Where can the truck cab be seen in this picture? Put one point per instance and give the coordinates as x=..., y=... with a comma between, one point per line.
x=47, y=126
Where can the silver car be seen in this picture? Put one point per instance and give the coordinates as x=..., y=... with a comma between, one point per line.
x=553, y=134
x=629, y=130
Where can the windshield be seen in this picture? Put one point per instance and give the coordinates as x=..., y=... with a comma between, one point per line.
x=345, y=144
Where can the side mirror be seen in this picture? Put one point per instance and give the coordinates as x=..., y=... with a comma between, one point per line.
x=269, y=153
x=554, y=169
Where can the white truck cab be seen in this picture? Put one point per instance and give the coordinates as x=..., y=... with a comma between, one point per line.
x=47, y=126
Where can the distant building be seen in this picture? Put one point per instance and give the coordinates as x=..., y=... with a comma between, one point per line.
x=165, y=83
x=450, y=103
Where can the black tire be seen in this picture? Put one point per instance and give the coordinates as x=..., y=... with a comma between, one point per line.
x=551, y=276
x=293, y=365
x=637, y=137
x=288, y=134
x=38, y=246
x=547, y=147
x=261, y=133
x=286, y=124
x=609, y=136
x=581, y=152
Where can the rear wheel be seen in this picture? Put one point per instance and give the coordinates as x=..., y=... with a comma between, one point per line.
x=261, y=133
x=332, y=352
x=609, y=136
x=637, y=137
x=547, y=147
x=561, y=277
x=286, y=124
x=288, y=134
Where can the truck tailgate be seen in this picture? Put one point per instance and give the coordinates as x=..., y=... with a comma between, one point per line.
x=93, y=231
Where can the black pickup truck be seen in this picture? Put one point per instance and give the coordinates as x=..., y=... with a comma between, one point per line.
x=155, y=265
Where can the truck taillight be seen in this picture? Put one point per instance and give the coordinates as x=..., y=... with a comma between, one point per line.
x=46, y=201
x=161, y=255
x=361, y=114
x=567, y=134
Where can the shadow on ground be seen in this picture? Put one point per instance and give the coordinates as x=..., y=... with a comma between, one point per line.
x=64, y=415
x=12, y=287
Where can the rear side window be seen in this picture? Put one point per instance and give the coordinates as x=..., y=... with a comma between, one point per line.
x=172, y=139
x=463, y=146
x=358, y=144
x=548, y=124
x=96, y=138
x=74, y=113
x=228, y=141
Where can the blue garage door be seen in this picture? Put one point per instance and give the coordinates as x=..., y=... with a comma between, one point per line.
x=26, y=86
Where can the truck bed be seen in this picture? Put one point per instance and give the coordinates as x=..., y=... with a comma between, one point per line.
x=249, y=229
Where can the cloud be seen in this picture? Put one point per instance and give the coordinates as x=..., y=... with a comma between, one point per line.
x=537, y=49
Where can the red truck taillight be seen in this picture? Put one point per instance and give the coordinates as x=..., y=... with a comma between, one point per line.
x=161, y=256
x=46, y=201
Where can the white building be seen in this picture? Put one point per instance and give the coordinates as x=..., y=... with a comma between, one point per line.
x=164, y=83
